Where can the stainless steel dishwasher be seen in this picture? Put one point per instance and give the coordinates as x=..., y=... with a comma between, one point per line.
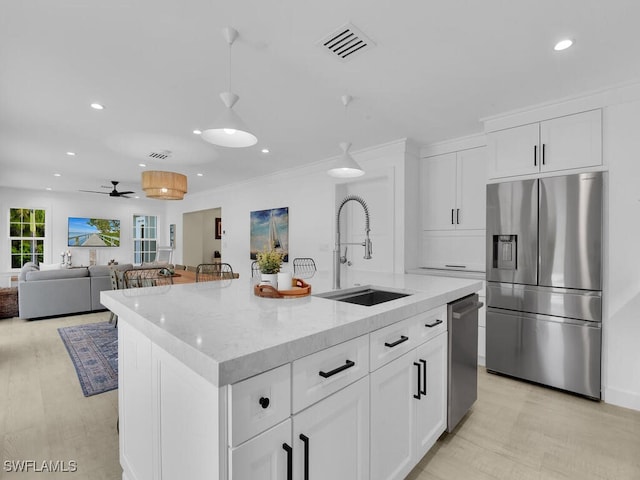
x=463, y=357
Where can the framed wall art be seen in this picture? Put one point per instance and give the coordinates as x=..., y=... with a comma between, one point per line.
x=270, y=230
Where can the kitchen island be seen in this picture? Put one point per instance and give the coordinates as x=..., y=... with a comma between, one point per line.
x=218, y=383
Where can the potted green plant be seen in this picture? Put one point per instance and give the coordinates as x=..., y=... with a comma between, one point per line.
x=269, y=262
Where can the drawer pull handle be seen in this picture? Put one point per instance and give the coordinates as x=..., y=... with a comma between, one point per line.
x=424, y=377
x=264, y=402
x=431, y=325
x=403, y=339
x=305, y=440
x=349, y=364
x=289, y=451
x=417, y=397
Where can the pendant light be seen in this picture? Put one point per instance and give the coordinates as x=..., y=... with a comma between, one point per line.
x=229, y=130
x=345, y=166
x=164, y=185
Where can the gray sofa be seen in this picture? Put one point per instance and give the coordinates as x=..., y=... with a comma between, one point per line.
x=49, y=293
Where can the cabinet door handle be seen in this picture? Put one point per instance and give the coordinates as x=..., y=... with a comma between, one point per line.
x=402, y=339
x=535, y=155
x=543, y=149
x=431, y=325
x=289, y=451
x=305, y=440
x=419, y=389
x=452, y=216
x=264, y=402
x=424, y=377
x=348, y=364
x=458, y=216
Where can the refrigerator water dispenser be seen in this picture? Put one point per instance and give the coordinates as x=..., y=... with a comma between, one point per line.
x=505, y=251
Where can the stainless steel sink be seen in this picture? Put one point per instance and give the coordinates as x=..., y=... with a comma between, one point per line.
x=368, y=296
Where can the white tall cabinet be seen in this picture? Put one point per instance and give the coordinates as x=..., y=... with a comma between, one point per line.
x=453, y=191
x=453, y=199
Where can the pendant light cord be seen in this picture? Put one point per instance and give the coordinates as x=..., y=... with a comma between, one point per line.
x=229, y=83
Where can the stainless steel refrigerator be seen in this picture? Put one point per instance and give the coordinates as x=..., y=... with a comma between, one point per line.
x=544, y=281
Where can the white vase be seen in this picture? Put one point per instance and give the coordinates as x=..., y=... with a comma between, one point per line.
x=270, y=278
x=284, y=281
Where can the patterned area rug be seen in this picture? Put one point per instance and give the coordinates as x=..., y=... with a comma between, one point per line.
x=93, y=348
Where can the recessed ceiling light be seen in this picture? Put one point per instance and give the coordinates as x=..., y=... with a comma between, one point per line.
x=198, y=132
x=97, y=106
x=71, y=154
x=48, y=188
x=265, y=150
x=136, y=196
x=57, y=174
x=142, y=165
x=200, y=174
x=563, y=44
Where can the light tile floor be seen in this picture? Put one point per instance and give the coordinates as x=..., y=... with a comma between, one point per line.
x=43, y=413
x=515, y=430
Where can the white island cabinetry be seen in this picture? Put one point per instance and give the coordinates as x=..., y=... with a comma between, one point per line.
x=408, y=396
x=283, y=391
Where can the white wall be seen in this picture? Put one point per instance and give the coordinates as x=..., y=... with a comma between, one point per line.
x=60, y=206
x=192, y=236
x=621, y=326
x=310, y=195
x=198, y=237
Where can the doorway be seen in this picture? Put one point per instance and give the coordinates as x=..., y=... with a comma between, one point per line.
x=202, y=236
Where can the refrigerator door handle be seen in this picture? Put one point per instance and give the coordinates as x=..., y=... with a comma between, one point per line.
x=468, y=310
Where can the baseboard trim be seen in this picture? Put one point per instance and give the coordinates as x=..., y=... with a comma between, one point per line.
x=622, y=398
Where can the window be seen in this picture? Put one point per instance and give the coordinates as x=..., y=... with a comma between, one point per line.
x=26, y=235
x=144, y=238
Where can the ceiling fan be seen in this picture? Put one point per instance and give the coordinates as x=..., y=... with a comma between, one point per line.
x=112, y=193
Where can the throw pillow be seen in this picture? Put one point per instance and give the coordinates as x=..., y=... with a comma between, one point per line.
x=27, y=267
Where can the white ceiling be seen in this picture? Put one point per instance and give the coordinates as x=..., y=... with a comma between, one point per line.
x=159, y=65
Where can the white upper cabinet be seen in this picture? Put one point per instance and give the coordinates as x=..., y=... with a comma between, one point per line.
x=514, y=151
x=574, y=141
x=453, y=190
x=569, y=142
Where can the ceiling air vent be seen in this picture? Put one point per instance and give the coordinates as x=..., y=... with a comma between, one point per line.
x=345, y=42
x=160, y=155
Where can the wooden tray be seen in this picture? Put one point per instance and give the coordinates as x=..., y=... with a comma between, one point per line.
x=299, y=288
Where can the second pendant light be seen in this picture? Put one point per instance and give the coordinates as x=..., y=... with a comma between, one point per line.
x=229, y=130
x=345, y=166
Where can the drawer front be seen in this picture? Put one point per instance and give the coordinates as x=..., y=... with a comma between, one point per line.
x=391, y=342
x=429, y=324
x=327, y=371
x=259, y=403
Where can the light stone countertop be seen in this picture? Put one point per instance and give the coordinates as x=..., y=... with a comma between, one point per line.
x=225, y=333
x=443, y=272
